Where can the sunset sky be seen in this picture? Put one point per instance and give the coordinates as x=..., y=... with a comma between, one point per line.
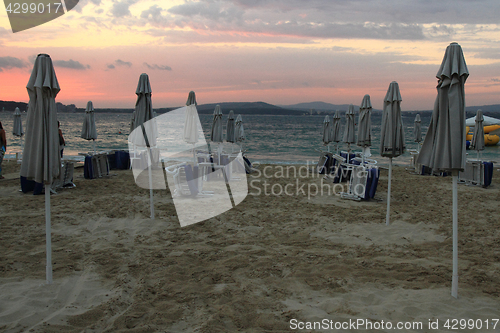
x=276, y=51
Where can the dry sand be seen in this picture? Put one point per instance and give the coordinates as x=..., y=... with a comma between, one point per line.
x=254, y=268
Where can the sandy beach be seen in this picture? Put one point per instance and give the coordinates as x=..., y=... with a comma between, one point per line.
x=269, y=264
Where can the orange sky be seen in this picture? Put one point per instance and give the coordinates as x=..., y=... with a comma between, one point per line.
x=280, y=52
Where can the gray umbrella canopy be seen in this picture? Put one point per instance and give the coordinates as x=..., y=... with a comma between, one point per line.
x=365, y=123
x=144, y=109
x=143, y=105
x=417, y=129
x=239, y=132
x=230, y=126
x=349, y=131
x=392, y=139
x=17, y=128
x=477, y=142
x=335, y=134
x=132, y=119
x=217, y=134
x=444, y=143
x=192, y=120
x=41, y=156
x=191, y=99
x=326, y=130
x=89, y=131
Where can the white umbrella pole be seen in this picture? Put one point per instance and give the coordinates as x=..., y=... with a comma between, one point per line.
x=94, y=146
x=219, y=150
x=48, y=241
x=151, y=199
x=454, y=281
x=387, y=216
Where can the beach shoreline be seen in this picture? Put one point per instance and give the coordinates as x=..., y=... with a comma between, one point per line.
x=258, y=267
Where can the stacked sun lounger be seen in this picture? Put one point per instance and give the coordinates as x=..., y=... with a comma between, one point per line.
x=65, y=180
x=96, y=166
x=477, y=172
x=363, y=183
x=66, y=177
x=361, y=173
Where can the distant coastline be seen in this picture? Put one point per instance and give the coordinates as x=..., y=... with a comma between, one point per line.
x=256, y=108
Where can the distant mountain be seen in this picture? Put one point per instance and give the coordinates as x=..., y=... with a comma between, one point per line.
x=484, y=108
x=241, y=108
x=322, y=106
x=319, y=106
x=11, y=106
x=251, y=108
x=246, y=108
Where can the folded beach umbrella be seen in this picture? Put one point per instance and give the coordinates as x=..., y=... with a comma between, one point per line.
x=144, y=113
x=132, y=127
x=444, y=144
x=349, y=131
x=364, y=125
x=392, y=140
x=143, y=105
x=41, y=157
x=216, y=135
x=230, y=137
x=192, y=122
x=477, y=142
x=239, y=132
x=17, y=127
x=89, y=131
x=417, y=130
x=335, y=134
x=230, y=127
x=327, y=132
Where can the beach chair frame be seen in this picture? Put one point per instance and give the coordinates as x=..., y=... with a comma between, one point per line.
x=473, y=173
x=177, y=171
x=65, y=178
x=358, y=180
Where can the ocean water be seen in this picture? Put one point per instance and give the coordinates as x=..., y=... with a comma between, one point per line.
x=269, y=138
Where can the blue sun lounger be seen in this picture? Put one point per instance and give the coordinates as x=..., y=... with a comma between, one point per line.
x=363, y=183
x=325, y=164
